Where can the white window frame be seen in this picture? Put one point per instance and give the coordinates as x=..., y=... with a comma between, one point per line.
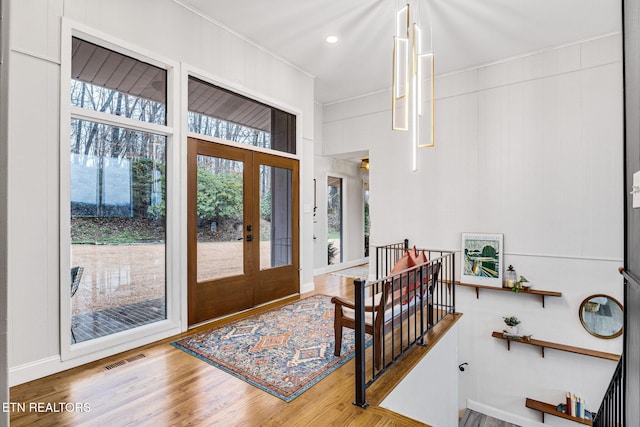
x=190, y=71
x=84, y=352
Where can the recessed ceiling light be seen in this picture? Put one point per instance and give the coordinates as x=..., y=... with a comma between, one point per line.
x=332, y=39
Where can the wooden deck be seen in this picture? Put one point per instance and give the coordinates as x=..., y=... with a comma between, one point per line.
x=169, y=387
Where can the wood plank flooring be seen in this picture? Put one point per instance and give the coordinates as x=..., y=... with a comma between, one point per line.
x=168, y=387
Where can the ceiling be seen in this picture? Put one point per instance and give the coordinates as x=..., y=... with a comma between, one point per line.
x=463, y=33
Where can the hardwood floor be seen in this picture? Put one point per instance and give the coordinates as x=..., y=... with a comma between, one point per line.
x=169, y=387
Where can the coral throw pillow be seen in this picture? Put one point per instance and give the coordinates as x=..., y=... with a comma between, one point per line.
x=417, y=257
x=407, y=261
x=407, y=280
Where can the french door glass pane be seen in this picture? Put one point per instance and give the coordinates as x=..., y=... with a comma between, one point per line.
x=118, y=229
x=275, y=216
x=220, y=211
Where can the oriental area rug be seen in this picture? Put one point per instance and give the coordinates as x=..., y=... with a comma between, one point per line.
x=283, y=351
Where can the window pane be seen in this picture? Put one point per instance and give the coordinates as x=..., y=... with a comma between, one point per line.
x=220, y=210
x=334, y=220
x=118, y=228
x=367, y=222
x=109, y=82
x=275, y=216
x=217, y=112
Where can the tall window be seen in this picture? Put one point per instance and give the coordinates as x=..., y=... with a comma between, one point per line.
x=367, y=220
x=220, y=113
x=335, y=242
x=118, y=192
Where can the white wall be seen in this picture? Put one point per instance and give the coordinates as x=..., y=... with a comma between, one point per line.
x=160, y=27
x=532, y=148
x=354, y=203
x=4, y=136
x=430, y=393
x=320, y=167
x=306, y=218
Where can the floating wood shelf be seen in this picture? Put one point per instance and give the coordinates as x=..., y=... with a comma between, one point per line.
x=538, y=292
x=556, y=346
x=546, y=408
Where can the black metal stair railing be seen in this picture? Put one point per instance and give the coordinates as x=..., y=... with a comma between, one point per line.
x=611, y=412
x=416, y=300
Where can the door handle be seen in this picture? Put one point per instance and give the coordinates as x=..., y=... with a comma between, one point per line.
x=249, y=238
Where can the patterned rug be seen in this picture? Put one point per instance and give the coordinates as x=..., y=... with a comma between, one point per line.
x=283, y=351
x=359, y=271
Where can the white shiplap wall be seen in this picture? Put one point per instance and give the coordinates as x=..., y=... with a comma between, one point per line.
x=4, y=137
x=354, y=204
x=161, y=28
x=530, y=147
x=426, y=394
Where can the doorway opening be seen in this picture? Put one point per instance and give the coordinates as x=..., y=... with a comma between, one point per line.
x=243, y=229
x=335, y=240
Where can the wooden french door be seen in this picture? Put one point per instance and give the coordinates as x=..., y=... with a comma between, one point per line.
x=243, y=247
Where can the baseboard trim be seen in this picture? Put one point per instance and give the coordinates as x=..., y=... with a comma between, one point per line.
x=307, y=287
x=52, y=365
x=502, y=415
x=34, y=370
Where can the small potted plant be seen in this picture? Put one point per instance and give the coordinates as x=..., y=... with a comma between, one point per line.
x=521, y=285
x=512, y=323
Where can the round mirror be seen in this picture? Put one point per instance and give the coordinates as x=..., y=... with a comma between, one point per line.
x=602, y=316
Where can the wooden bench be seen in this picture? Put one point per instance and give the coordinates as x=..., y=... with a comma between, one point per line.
x=399, y=299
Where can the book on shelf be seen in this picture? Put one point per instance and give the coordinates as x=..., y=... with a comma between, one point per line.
x=579, y=412
x=584, y=414
x=574, y=406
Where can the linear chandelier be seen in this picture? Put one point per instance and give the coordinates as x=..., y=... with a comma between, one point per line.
x=413, y=84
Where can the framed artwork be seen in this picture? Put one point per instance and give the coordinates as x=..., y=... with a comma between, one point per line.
x=482, y=259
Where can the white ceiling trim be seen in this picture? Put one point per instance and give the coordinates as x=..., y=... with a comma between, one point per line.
x=526, y=55
x=476, y=67
x=353, y=98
